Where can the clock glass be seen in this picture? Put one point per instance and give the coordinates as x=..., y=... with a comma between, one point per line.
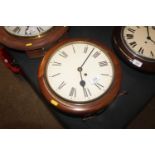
x=140, y=40
x=27, y=31
x=79, y=71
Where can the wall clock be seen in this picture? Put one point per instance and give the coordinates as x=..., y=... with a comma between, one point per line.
x=32, y=39
x=79, y=76
x=136, y=44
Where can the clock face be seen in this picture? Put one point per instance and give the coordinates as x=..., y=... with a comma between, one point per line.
x=27, y=31
x=79, y=71
x=140, y=40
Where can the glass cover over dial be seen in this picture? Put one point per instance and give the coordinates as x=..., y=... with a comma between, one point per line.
x=140, y=40
x=27, y=31
x=79, y=71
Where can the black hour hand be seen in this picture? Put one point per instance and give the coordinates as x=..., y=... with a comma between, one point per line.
x=82, y=83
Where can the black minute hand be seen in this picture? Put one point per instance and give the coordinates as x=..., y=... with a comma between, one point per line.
x=148, y=34
x=27, y=27
x=87, y=58
x=152, y=41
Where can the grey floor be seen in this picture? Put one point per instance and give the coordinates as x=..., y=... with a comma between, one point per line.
x=20, y=107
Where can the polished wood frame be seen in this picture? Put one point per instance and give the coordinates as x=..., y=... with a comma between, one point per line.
x=30, y=43
x=76, y=108
x=123, y=51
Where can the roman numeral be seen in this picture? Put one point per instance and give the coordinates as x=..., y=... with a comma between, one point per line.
x=27, y=27
x=86, y=92
x=85, y=49
x=133, y=44
x=55, y=75
x=40, y=29
x=96, y=54
x=63, y=54
x=129, y=36
x=56, y=63
x=73, y=49
x=99, y=86
x=141, y=50
x=106, y=75
x=103, y=63
x=72, y=92
x=17, y=29
x=61, y=85
x=152, y=54
x=131, y=30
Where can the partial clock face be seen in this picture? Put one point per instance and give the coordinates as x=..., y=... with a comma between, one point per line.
x=27, y=31
x=79, y=71
x=140, y=40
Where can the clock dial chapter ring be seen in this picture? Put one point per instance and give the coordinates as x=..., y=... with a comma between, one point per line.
x=135, y=60
x=84, y=108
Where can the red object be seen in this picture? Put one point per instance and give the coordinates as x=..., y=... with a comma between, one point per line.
x=9, y=61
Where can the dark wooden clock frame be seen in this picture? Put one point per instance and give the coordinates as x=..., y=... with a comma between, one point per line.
x=32, y=45
x=129, y=56
x=83, y=109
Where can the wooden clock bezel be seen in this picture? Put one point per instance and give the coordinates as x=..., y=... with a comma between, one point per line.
x=31, y=43
x=76, y=108
x=127, y=55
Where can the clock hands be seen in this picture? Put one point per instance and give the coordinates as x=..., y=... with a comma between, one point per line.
x=148, y=35
x=27, y=27
x=82, y=82
x=87, y=57
x=28, y=30
x=152, y=41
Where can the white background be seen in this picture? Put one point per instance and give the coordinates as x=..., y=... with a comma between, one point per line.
x=77, y=12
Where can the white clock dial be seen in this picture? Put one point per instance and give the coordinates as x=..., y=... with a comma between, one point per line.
x=140, y=40
x=80, y=72
x=27, y=31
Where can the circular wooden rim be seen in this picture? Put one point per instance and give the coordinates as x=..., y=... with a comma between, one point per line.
x=74, y=108
x=123, y=51
x=29, y=43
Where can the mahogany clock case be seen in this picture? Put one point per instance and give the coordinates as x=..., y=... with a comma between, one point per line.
x=76, y=108
x=119, y=46
x=32, y=43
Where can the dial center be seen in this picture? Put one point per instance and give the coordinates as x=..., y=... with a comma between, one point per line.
x=149, y=38
x=79, y=69
x=82, y=83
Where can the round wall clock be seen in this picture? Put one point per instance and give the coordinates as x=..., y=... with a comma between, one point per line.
x=79, y=76
x=136, y=44
x=32, y=39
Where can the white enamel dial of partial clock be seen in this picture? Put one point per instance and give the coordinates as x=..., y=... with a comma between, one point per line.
x=27, y=31
x=140, y=40
x=79, y=72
